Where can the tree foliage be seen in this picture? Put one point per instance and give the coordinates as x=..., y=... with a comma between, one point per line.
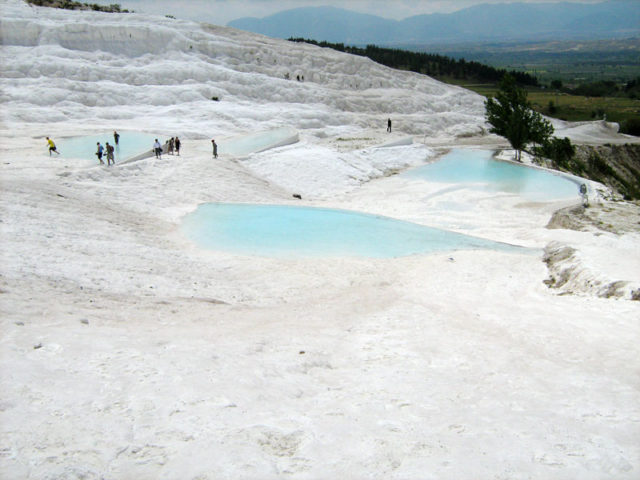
x=511, y=116
x=74, y=5
x=559, y=150
x=603, y=88
x=437, y=66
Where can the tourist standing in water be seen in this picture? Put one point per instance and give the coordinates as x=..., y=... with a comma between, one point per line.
x=99, y=153
x=176, y=144
x=215, y=148
x=110, y=159
x=116, y=138
x=157, y=148
x=52, y=146
x=171, y=145
x=389, y=125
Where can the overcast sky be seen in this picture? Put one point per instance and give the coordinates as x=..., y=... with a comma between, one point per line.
x=221, y=12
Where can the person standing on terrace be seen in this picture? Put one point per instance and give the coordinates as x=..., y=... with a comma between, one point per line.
x=157, y=148
x=215, y=148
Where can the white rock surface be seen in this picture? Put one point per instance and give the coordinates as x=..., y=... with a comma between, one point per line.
x=127, y=352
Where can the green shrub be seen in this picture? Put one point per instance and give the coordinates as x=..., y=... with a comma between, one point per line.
x=631, y=126
x=598, y=166
x=559, y=150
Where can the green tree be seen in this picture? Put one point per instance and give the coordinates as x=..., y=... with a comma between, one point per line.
x=511, y=116
x=559, y=150
x=556, y=84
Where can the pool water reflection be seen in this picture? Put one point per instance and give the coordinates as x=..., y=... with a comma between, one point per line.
x=295, y=232
x=476, y=169
x=84, y=147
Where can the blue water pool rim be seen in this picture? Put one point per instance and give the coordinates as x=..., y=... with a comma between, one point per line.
x=479, y=167
x=363, y=235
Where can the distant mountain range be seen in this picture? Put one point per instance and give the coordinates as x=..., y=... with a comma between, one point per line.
x=481, y=23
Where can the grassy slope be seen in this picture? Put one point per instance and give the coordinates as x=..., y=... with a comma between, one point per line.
x=573, y=62
x=571, y=107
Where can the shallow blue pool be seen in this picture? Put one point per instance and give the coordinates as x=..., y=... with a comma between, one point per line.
x=130, y=144
x=257, y=142
x=476, y=169
x=295, y=232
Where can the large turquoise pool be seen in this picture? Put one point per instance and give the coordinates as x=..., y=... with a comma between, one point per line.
x=477, y=169
x=84, y=147
x=298, y=232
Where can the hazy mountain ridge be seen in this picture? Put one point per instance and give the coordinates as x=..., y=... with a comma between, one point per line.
x=486, y=22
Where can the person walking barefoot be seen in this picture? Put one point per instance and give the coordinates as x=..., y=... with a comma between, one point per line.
x=52, y=146
x=110, y=159
x=99, y=153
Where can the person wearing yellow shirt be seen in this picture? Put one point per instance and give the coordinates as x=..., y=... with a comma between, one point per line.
x=52, y=146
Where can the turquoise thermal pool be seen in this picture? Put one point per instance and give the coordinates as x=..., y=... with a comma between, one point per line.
x=257, y=142
x=298, y=232
x=130, y=145
x=476, y=169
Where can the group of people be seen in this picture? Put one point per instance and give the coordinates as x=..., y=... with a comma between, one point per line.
x=109, y=150
x=299, y=78
x=173, y=145
x=99, y=152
